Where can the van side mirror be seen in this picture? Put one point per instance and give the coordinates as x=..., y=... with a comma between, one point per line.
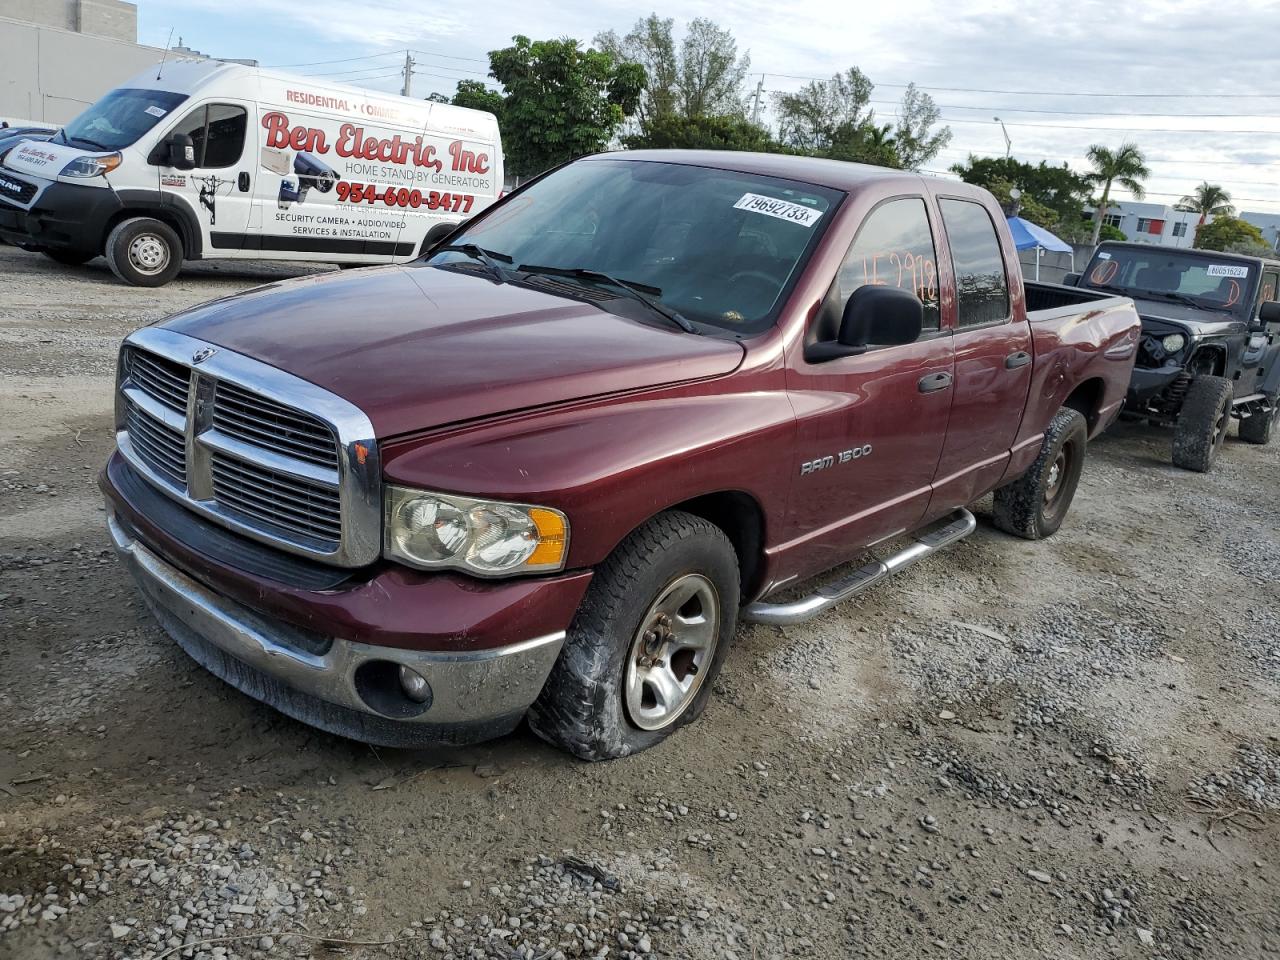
x=1071, y=280
x=884, y=316
x=437, y=234
x=180, y=151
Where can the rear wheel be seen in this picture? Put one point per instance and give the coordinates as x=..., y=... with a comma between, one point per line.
x=1257, y=428
x=1202, y=423
x=1034, y=505
x=72, y=258
x=144, y=252
x=647, y=643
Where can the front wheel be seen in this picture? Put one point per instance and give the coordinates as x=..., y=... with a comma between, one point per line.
x=144, y=252
x=1034, y=505
x=1202, y=423
x=647, y=643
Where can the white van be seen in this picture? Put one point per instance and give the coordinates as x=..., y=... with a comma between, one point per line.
x=197, y=160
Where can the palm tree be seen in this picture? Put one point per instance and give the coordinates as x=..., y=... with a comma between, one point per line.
x=1208, y=200
x=1126, y=166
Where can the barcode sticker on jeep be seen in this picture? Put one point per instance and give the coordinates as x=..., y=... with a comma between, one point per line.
x=1226, y=270
x=782, y=209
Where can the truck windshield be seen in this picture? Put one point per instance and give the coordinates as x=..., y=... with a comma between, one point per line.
x=716, y=246
x=119, y=119
x=1200, y=280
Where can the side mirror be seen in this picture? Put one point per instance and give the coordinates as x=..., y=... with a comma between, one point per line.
x=180, y=151
x=885, y=316
x=436, y=235
x=1071, y=280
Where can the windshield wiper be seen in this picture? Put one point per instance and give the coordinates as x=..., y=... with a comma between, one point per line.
x=488, y=257
x=93, y=143
x=636, y=291
x=1181, y=298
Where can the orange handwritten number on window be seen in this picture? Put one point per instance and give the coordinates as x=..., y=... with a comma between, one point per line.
x=1105, y=272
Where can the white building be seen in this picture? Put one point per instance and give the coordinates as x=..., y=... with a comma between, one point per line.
x=1163, y=224
x=1268, y=223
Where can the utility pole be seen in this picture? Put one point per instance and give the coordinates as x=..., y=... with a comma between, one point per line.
x=755, y=109
x=1008, y=144
x=408, y=75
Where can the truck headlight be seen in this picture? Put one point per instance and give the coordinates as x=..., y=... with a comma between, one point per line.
x=91, y=166
x=1173, y=342
x=438, y=531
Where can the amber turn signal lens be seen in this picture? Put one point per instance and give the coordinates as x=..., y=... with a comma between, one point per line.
x=551, y=538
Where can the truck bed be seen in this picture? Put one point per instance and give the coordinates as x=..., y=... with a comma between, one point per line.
x=1044, y=300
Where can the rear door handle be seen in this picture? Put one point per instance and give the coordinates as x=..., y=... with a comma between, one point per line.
x=1019, y=359
x=934, y=382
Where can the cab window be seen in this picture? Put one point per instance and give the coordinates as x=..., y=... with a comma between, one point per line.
x=982, y=287
x=894, y=248
x=1270, y=287
x=217, y=132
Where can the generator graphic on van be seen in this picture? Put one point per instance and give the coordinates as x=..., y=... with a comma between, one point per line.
x=312, y=174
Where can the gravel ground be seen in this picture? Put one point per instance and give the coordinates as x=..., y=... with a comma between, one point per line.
x=1066, y=749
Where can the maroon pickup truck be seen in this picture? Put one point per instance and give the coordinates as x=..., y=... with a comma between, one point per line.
x=548, y=467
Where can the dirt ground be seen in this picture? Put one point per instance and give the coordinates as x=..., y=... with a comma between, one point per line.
x=1065, y=749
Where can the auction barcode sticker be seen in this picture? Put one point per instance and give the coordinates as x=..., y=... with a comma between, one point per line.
x=782, y=209
x=1225, y=270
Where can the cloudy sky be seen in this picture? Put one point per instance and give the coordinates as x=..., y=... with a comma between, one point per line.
x=1194, y=83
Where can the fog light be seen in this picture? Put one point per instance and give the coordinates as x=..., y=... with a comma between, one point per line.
x=414, y=685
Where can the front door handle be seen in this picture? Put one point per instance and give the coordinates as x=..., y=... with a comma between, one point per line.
x=934, y=382
x=243, y=182
x=1019, y=359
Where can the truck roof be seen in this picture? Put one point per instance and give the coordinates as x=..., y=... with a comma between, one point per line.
x=1192, y=251
x=837, y=174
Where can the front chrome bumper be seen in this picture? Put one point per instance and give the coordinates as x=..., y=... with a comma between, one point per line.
x=330, y=683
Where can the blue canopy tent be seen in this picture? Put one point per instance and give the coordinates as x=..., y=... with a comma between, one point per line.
x=1028, y=236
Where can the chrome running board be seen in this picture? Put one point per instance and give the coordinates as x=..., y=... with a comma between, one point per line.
x=941, y=534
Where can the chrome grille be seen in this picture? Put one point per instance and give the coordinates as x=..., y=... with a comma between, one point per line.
x=259, y=421
x=163, y=449
x=290, y=503
x=162, y=379
x=251, y=447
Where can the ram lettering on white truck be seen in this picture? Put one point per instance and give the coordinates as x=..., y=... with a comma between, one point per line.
x=204, y=160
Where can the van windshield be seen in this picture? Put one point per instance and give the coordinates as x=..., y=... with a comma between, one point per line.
x=119, y=119
x=1199, y=280
x=718, y=247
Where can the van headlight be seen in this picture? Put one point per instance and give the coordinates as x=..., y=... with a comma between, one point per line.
x=91, y=166
x=1173, y=342
x=439, y=531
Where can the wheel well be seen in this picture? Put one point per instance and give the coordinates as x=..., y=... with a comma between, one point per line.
x=1207, y=361
x=1086, y=400
x=190, y=245
x=740, y=517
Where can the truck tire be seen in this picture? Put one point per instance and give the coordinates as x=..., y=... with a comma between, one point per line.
x=1034, y=505
x=647, y=642
x=1202, y=423
x=144, y=252
x=71, y=258
x=1257, y=428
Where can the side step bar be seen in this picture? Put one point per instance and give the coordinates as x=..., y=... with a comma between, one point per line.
x=942, y=534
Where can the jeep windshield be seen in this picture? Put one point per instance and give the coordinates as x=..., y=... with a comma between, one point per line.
x=1199, y=280
x=119, y=119
x=719, y=247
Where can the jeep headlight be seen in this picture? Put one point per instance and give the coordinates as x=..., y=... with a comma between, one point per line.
x=438, y=531
x=1173, y=342
x=91, y=166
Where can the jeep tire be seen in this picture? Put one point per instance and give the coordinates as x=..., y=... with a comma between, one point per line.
x=144, y=252
x=647, y=643
x=1034, y=505
x=1202, y=423
x=1257, y=428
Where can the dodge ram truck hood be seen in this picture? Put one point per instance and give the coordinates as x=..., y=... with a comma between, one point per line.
x=417, y=347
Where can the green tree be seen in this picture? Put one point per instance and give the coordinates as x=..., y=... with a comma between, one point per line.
x=865, y=142
x=702, y=76
x=1225, y=232
x=1057, y=187
x=915, y=140
x=474, y=95
x=811, y=119
x=1125, y=166
x=437, y=98
x=1209, y=200
x=560, y=101
x=673, y=131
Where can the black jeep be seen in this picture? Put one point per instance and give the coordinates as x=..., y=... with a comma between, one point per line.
x=1210, y=346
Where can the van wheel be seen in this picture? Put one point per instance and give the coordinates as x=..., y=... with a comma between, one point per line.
x=1202, y=423
x=144, y=252
x=1257, y=428
x=72, y=258
x=647, y=643
x=1034, y=505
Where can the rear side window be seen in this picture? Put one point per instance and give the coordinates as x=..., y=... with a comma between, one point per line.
x=894, y=248
x=1270, y=287
x=217, y=132
x=982, y=288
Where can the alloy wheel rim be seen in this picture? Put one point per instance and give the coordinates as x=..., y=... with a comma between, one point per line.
x=671, y=652
x=148, y=254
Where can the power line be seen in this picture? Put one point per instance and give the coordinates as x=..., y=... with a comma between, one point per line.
x=1073, y=126
x=316, y=63
x=449, y=56
x=1059, y=158
x=1089, y=113
x=1056, y=93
